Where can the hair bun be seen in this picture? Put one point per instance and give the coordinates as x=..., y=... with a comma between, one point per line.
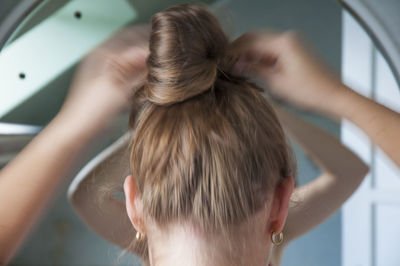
x=186, y=44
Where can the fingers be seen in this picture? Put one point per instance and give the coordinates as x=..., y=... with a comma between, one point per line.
x=133, y=35
x=256, y=50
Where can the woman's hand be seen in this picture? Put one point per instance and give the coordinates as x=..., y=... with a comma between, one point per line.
x=108, y=76
x=291, y=72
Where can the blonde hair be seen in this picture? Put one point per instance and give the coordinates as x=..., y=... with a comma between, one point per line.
x=207, y=146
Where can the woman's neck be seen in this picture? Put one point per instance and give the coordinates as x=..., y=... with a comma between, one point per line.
x=180, y=245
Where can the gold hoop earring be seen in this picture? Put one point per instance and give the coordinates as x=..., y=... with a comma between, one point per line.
x=276, y=239
x=140, y=236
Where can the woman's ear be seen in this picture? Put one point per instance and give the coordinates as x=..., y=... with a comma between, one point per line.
x=131, y=202
x=280, y=205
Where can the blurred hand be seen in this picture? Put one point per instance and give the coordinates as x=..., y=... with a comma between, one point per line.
x=107, y=78
x=291, y=72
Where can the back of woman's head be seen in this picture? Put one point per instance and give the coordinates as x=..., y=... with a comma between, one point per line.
x=207, y=146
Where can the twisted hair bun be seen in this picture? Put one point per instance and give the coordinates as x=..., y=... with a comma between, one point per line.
x=186, y=45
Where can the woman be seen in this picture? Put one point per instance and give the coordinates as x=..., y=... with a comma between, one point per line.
x=211, y=171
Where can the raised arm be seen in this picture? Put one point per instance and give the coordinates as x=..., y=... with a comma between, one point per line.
x=91, y=195
x=343, y=173
x=380, y=123
x=294, y=75
x=102, y=87
x=27, y=183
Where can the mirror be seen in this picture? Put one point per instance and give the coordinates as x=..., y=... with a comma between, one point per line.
x=381, y=22
x=36, y=67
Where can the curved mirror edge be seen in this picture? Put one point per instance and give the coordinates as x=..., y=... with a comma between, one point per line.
x=380, y=33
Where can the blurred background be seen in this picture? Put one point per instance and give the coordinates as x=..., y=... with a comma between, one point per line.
x=37, y=64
